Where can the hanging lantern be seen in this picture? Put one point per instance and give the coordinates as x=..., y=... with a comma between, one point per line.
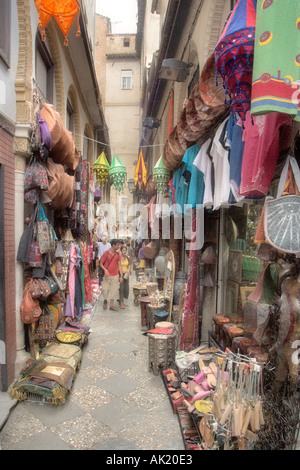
x=234, y=54
x=140, y=173
x=64, y=11
x=161, y=176
x=101, y=169
x=117, y=173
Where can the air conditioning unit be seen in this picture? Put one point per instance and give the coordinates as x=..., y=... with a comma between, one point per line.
x=175, y=70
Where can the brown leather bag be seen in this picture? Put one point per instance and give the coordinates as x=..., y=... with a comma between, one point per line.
x=39, y=288
x=30, y=309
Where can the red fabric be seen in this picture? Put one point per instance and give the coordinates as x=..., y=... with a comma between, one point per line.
x=88, y=292
x=261, y=152
x=190, y=329
x=111, y=259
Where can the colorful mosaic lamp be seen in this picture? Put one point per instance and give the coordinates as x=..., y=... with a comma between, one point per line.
x=117, y=173
x=63, y=11
x=101, y=169
x=161, y=176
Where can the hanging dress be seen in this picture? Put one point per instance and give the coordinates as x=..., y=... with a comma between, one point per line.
x=261, y=151
x=276, y=68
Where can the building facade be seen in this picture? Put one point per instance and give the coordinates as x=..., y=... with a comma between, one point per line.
x=34, y=69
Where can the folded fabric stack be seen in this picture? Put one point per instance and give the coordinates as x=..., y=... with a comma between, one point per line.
x=49, y=378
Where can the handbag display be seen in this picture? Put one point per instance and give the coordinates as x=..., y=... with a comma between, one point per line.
x=39, y=288
x=282, y=214
x=30, y=309
x=36, y=176
x=45, y=233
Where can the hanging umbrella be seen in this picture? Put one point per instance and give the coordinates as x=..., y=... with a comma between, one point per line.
x=140, y=172
x=64, y=11
x=101, y=168
x=161, y=176
x=234, y=54
x=117, y=173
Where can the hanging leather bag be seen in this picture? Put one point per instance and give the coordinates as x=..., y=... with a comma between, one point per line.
x=30, y=309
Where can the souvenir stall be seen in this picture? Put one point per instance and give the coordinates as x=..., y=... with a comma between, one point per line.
x=236, y=151
x=55, y=250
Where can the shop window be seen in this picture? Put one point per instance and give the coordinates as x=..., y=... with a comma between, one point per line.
x=44, y=70
x=5, y=7
x=126, y=79
x=241, y=266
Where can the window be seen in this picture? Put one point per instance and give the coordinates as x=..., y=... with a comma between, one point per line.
x=70, y=117
x=44, y=69
x=126, y=42
x=126, y=79
x=5, y=6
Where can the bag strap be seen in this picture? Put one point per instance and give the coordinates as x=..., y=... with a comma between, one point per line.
x=290, y=161
x=106, y=267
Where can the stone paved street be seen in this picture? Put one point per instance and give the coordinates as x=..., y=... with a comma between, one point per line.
x=115, y=403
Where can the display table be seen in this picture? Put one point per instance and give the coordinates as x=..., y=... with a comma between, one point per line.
x=138, y=292
x=161, y=351
x=144, y=301
x=151, y=311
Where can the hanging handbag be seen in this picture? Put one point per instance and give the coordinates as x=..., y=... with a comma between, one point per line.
x=35, y=256
x=36, y=175
x=26, y=240
x=282, y=214
x=30, y=309
x=52, y=284
x=45, y=328
x=39, y=288
x=45, y=233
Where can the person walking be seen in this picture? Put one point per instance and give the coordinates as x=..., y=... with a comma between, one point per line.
x=111, y=264
x=103, y=246
x=126, y=269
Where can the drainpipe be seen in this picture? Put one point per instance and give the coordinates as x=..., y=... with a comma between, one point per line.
x=3, y=364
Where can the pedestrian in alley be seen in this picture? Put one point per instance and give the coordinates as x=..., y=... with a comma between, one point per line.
x=111, y=264
x=103, y=246
x=126, y=269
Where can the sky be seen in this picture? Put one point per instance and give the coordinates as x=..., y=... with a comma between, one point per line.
x=123, y=14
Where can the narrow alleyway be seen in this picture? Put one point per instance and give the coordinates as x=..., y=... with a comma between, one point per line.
x=115, y=403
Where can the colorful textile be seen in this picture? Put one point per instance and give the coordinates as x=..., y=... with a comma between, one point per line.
x=276, y=70
x=234, y=56
x=261, y=152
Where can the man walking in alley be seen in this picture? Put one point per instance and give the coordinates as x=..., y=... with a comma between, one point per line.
x=110, y=262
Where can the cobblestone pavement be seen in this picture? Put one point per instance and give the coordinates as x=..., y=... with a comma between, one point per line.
x=115, y=402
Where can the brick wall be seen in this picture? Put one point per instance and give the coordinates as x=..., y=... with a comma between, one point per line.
x=7, y=159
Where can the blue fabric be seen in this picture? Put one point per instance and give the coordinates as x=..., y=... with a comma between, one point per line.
x=236, y=145
x=188, y=181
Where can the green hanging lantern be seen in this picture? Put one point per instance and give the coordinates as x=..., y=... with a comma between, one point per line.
x=101, y=169
x=161, y=176
x=117, y=173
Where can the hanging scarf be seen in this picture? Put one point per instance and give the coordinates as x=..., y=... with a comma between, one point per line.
x=234, y=56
